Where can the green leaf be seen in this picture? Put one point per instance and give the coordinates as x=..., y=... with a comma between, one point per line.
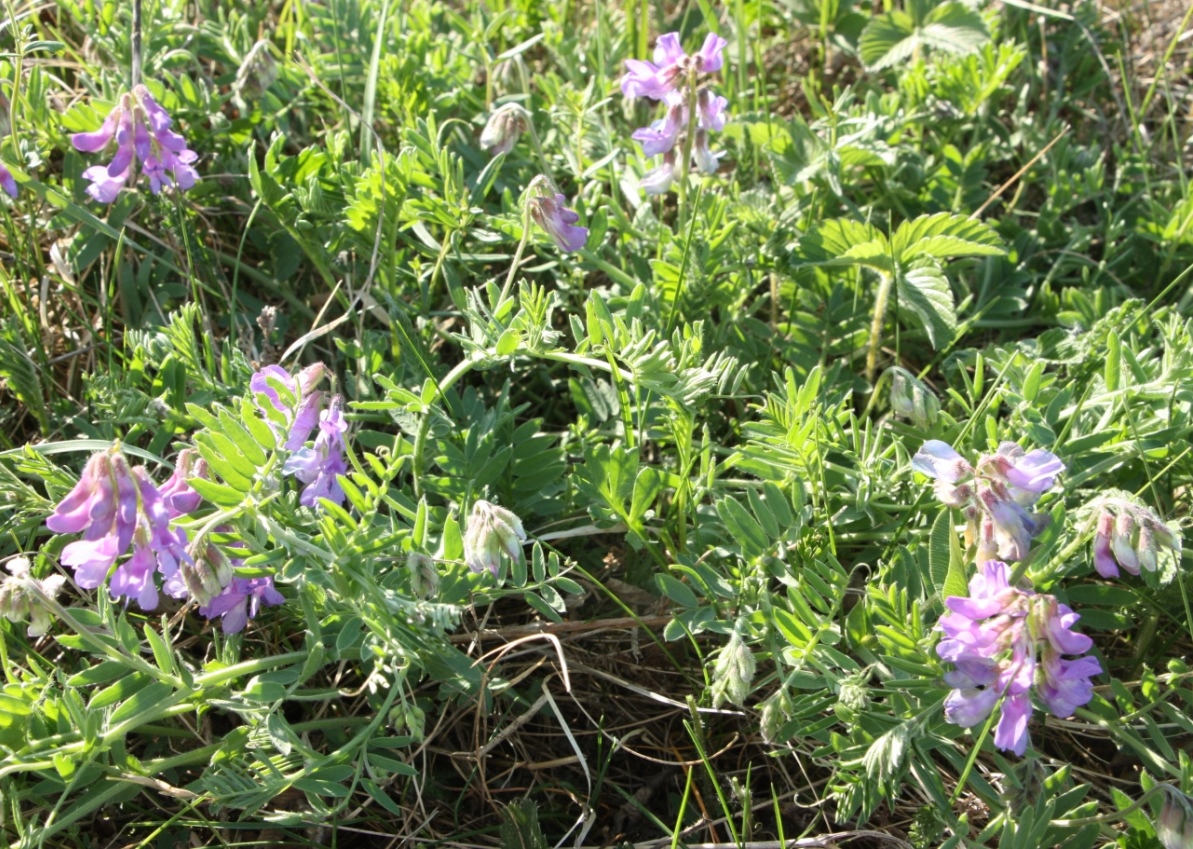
x=946, y=563
x=745, y=528
x=520, y=827
x=217, y=493
x=843, y=241
x=944, y=235
x=154, y=694
x=887, y=40
x=123, y=688
x=676, y=590
x=954, y=28
x=923, y=289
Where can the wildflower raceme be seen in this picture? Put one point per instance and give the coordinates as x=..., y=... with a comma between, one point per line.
x=115, y=506
x=1130, y=536
x=1005, y=643
x=995, y=495
x=491, y=532
x=141, y=131
x=677, y=79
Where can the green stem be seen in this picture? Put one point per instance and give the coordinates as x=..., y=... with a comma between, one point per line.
x=880, y=305
x=526, y=225
x=689, y=141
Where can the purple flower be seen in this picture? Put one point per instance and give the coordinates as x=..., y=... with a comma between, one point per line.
x=658, y=180
x=177, y=494
x=1065, y=684
x=7, y=182
x=141, y=131
x=1005, y=641
x=299, y=410
x=968, y=706
x=548, y=208
x=994, y=494
x=319, y=466
x=240, y=601
x=115, y=507
x=1011, y=731
x=1025, y=474
x=940, y=460
x=659, y=78
x=672, y=78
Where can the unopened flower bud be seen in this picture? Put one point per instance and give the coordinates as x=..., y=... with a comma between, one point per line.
x=491, y=531
x=21, y=596
x=424, y=577
x=734, y=671
x=1174, y=827
x=1103, y=555
x=257, y=73
x=776, y=711
x=912, y=399
x=206, y=573
x=503, y=129
x=1122, y=543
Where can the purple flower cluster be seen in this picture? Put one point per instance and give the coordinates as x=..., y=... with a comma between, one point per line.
x=141, y=130
x=1004, y=642
x=549, y=210
x=294, y=407
x=671, y=78
x=114, y=507
x=1129, y=536
x=995, y=495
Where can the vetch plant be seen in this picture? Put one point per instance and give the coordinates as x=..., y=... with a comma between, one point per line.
x=115, y=506
x=21, y=596
x=693, y=111
x=1005, y=643
x=141, y=131
x=549, y=210
x=1129, y=536
x=491, y=532
x=994, y=495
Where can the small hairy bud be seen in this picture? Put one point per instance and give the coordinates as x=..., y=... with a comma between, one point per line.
x=424, y=577
x=734, y=671
x=912, y=399
x=491, y=532
x=503, y=129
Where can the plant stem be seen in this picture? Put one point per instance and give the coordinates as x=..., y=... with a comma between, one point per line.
x=685, y=161
x=880, y=303
x=526, y=225
x=136, y=43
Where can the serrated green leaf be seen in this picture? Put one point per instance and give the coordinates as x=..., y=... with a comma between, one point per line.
x=944, y=235
x=887, y=40
x=923, y=289
x=843, y=241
